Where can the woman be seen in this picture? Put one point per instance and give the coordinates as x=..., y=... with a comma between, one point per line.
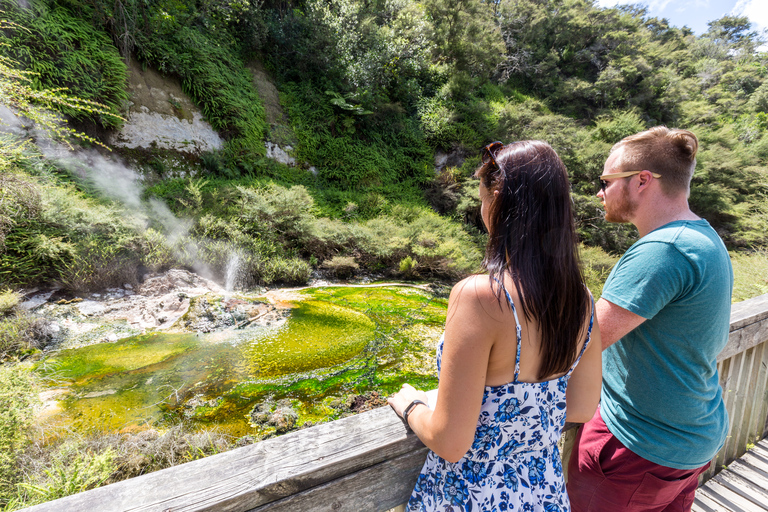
x=507, y=379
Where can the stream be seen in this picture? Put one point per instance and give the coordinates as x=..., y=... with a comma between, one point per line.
x=182, y=348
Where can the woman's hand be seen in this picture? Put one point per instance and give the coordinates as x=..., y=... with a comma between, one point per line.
x=407, y=394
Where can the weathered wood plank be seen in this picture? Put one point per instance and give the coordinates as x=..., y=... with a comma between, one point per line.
x=751, y=473
x=761, y=427
x=749, y=326
x=728, y=498
x=731, y=398
x=254, y=475
x=744, y=397
x=375, y=489
x=725, y=368
x=723, y=502
x=703, y=503
x=755, y=461
x=757, y=397
x=743, y=487
x=760, y=450
x=744, y=339
x=723, y=371
x=749, y=311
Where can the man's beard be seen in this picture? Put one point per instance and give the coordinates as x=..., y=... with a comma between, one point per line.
x=621, y=209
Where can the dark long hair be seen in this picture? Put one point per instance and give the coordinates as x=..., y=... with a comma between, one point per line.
x=532, y=237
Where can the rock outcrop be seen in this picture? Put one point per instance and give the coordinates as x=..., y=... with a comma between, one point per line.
x=161, y=116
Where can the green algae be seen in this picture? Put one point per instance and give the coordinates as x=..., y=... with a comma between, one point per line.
x=318, y=335
x=337, y=343
x=94, y=361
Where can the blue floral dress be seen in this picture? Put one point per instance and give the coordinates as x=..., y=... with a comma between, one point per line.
x=514, y=463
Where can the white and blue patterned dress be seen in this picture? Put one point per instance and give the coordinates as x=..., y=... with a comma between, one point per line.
x=514, y=463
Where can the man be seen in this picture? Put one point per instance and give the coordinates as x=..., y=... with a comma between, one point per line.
x=664, y=317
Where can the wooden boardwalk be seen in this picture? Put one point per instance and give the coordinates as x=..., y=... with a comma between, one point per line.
x=741, y=487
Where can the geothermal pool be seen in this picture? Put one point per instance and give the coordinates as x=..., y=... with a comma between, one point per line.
x=335, y=349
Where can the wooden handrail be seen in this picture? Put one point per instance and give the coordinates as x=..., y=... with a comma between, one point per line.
x=370, y=461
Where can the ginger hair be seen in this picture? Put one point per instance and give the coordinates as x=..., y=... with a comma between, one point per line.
x=666, y=151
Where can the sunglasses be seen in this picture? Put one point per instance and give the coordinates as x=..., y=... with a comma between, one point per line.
x=490, y=151
x=605, y=178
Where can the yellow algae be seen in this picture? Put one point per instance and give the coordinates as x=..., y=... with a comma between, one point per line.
x=317, y=335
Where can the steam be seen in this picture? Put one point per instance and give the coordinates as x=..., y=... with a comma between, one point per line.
x=9, y=122
x=233, y=273
x=120, y=183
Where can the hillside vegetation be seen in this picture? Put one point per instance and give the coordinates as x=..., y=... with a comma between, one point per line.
x=371, y=92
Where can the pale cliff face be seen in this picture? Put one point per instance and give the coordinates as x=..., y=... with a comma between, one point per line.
x=161, y=116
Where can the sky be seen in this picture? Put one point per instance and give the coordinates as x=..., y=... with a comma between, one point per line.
x=695, y=14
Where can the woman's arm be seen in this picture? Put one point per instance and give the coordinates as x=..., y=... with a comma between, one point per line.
x=583, y=393
x=449, y=429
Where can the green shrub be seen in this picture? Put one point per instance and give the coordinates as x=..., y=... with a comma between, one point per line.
x=14, y=334
x=328, y=237
x=408, y=266
x=98, y=264
x=277, y=213
x=214, y=75
x=441, y=246
x=614, y=127
x=20, y=332
x=292, y=271
x=9, y=300
x=383, y=149
x=21, y=199
x=597, y=265
x=17, y=401
x=750, y=271
x=55, y=233
x=594, y=230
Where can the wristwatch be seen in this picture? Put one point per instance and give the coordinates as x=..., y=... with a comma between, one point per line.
x=407, y=410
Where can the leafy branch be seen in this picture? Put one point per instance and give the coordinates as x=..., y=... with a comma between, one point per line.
x=39, y=106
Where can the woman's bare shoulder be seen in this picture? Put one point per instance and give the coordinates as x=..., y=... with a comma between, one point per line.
x=477, y=292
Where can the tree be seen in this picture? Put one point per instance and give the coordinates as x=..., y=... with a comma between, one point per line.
x=734, y=35
x=466, y=35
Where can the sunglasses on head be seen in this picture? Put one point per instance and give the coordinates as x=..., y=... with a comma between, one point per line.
x=605, y=178
x=490, y=151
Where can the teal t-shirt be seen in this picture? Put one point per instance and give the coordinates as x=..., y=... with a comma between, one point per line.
x=661, y=394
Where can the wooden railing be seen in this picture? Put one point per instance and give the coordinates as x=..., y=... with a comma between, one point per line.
x=369, y=462
x=743, y=368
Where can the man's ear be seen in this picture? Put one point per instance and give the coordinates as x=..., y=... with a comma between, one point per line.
x=644, y=180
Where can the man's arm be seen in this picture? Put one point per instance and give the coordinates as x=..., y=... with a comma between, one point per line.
x=615, y=322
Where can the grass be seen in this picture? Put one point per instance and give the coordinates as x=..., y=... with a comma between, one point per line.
x=750, y=270
x=750, y=274
x=597, y=266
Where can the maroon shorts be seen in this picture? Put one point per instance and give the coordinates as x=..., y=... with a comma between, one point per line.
x=605, y=476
